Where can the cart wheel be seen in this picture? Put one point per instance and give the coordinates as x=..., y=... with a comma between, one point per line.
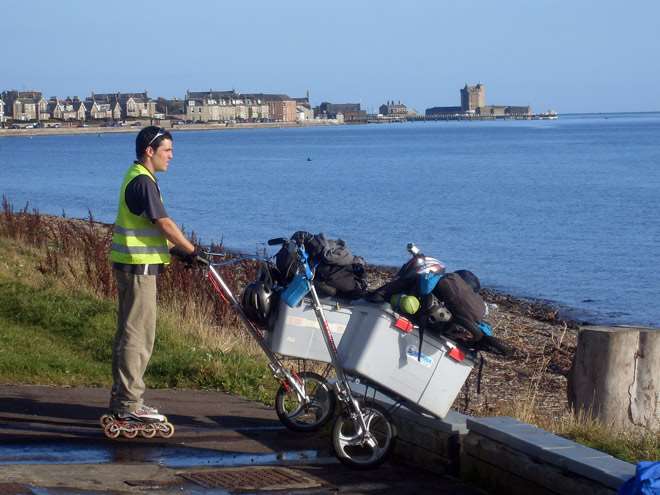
x=356, y=451
x=296, y=415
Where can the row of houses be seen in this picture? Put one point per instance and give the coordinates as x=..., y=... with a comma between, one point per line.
x=202, y=106
x=225, y=106
x=212, y=106
x=32, y=106
x=196, y=106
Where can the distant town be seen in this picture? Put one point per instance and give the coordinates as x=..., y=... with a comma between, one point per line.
x=30, y=109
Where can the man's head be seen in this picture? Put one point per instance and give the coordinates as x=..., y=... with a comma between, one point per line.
x=153, y=148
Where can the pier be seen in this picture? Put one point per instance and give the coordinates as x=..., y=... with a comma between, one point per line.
x=430, y=118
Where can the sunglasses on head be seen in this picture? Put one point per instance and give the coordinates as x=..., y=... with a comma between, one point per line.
x=161, y=132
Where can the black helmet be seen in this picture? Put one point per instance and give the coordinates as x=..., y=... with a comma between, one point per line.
x=469, y=278
x=258, y=298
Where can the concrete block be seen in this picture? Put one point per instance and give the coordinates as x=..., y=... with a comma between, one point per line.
x=496, y=426
x=554, y=450
x=608, y=470
x=432, y=441
x=508, y=464
x=495, y=481
x=413, y=455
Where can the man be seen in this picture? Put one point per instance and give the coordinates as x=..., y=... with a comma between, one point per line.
x=139, y=253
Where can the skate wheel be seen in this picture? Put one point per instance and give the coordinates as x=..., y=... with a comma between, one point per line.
x=131, y=431
x=105, y=419
x=112, y=430
x=165, y=430
x=149, y=431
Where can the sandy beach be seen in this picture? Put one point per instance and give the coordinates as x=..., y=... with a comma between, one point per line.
x=96, y=129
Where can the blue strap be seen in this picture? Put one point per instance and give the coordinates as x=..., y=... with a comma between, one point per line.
x=485, y=328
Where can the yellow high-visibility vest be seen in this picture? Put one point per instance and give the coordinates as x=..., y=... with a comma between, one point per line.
x=135, y=240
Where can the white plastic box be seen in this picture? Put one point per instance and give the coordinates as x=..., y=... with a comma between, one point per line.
x=373, y=348
x=296, y=332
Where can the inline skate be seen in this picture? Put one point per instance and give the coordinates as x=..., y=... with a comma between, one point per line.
x=145, y=422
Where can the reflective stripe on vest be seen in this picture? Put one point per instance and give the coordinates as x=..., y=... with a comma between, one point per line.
x=139, y=249
x=152, y=232
x=135, y=240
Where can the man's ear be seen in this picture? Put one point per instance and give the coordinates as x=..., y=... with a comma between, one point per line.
x=149, y=152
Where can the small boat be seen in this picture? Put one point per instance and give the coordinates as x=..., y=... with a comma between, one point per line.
x=549, y=115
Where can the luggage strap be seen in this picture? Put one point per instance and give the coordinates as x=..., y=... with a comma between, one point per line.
x=421, y=341
x=481, y=367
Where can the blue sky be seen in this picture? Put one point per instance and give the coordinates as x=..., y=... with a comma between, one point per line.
x=577, y=56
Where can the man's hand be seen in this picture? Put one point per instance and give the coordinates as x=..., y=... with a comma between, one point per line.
x=201, y=257
x=197, y=256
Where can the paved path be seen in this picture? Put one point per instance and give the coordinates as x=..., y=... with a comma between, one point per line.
x=51, y=444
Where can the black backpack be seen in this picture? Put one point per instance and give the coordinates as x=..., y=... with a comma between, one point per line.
x=285, y=264
x=465, y=304
x=338, y=272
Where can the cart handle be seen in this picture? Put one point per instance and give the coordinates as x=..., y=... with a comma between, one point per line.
x=238, y=257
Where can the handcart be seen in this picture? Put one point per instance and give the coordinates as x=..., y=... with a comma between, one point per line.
x=381, y=363
x=312, y=395
x=380, y=352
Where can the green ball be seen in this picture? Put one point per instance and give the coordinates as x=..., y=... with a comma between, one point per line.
x=404, y=303
x=409, y=304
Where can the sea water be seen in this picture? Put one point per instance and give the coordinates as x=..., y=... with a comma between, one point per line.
x=566, y=211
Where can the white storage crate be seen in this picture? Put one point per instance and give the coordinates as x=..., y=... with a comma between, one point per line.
x=373, y=348
x=296, y=332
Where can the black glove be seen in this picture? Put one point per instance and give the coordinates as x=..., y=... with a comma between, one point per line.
x=183, y=255
x=200, y=257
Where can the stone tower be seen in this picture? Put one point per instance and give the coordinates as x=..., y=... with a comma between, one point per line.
x=473, y=97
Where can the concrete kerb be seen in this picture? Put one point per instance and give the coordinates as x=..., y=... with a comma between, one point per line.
x=458, y=445
x=556, y=452
x=504, y=453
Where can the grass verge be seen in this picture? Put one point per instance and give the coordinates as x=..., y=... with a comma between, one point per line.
x=50, y=337
x=58, y=316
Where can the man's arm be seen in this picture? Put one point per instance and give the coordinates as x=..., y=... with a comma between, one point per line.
x=173, y=234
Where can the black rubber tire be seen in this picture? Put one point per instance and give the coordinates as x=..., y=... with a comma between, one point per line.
x=323, y=410
x=379, y=423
